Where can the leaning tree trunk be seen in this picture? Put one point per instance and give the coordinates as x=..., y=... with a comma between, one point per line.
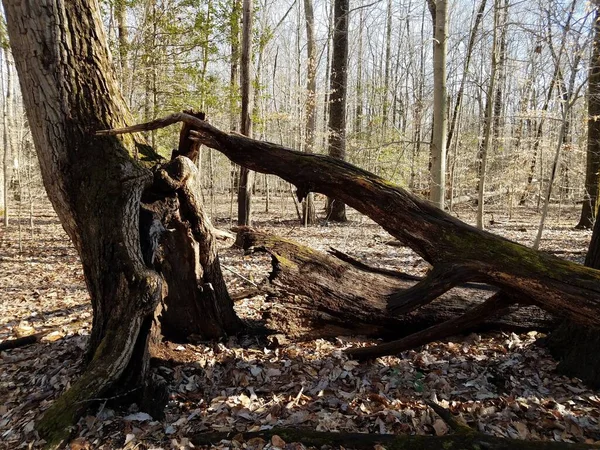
x=458, y=252
x=69, y=91
x=95, y=187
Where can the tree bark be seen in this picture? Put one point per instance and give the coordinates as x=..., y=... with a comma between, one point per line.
x=95, y=186
x=575, y=348
x=319, y=295
x=246, y=178
x=196, y=304
x=458, y=252
x=308, y=211
x=69, y=90
x=336, y=210
x=440, y=117
x=589, y=209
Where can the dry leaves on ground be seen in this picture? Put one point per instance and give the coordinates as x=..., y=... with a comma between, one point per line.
x=501, y=384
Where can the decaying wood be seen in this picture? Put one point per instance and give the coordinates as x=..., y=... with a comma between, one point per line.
x=196, y=301
x=359, y=441
x=456, y=250
x=463, y=437
x=326, y=295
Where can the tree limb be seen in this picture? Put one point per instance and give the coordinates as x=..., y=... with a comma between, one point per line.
x=560, y=287
x=494, y=305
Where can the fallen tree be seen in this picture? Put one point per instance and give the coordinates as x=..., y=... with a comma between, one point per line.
x=462, y=437
x=320, y=295
x=458, y=252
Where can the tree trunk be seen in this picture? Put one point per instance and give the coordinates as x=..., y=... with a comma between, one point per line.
x=461, y=89
x=70, y=90
x=592, y=172
x=6, y=138
x=359, y=96
x=440, y=117
x=246, y=178
x=386, y=75
x=321, y=295
x=196, y=304
x=123, y=33
x=234, y=30
x=576, y=348
x=308, y=211
x=488, y=122
x=336, y=210
x=553, y=82
x=463, y=438
x=99, y=213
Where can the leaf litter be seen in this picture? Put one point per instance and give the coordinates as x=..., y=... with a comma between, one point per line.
x=498, y=383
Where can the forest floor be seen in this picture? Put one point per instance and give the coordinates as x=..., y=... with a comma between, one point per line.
x=501, y=384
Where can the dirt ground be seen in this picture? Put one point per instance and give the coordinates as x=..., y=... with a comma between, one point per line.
x=501, y=384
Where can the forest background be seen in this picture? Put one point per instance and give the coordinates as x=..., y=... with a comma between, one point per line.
x=520, y=66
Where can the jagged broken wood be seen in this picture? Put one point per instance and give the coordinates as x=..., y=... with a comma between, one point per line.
x=316, y=294
x=196, y=301
x=462, y=252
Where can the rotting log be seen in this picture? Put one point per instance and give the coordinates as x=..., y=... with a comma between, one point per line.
x=458, y=252
x=359, y=441
x=462, y=437
x=316, y=294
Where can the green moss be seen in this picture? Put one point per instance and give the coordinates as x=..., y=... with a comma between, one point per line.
x=284, y=262
x=56, y=424
x=510, y=255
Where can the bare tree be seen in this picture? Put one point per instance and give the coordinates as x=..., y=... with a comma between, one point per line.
x=336, y=210
x=589, y=210
x=311, y=104
x=7, y=141
x=468, y=57
x=440, y=118
x=246, y=177
x=489, y=110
